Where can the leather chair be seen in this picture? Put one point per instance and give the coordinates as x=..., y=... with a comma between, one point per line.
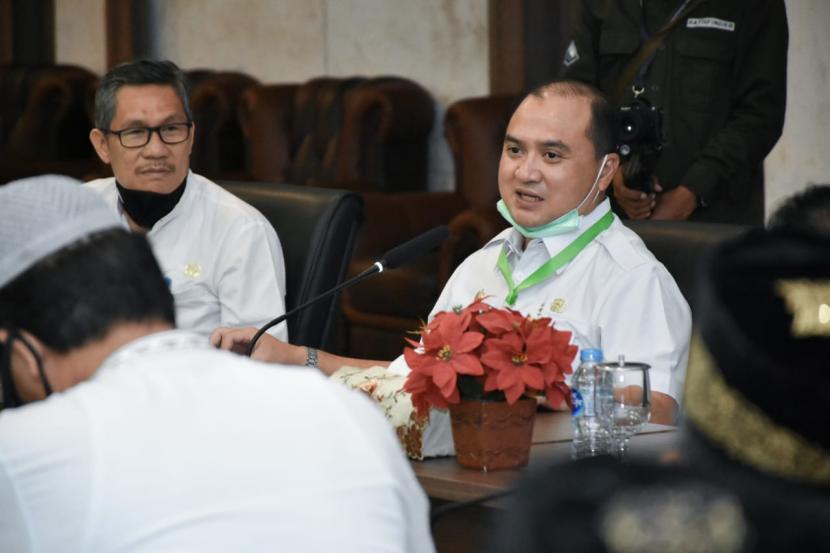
x=45, y=119
x=380, y=313
x=679, y=245
x=354, y=133
x=317, y=229
x=219, y=146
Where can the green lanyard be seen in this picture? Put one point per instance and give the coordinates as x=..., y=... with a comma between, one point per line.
x=554, y=263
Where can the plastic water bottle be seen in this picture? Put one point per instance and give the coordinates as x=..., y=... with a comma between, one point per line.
x=592, y=403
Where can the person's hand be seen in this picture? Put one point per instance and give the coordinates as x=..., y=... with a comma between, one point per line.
x=636, y=203
x=267, y=348
x=676, y=204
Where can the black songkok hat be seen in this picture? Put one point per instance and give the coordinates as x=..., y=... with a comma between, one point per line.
x=758, y=387
x=599, y=505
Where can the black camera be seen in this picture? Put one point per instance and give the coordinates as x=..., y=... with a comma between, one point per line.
x=640, y=142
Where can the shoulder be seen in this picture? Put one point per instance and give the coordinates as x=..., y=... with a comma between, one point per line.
x=625, y=249
x=488, y=253
x=224, y=205
x=43, y=428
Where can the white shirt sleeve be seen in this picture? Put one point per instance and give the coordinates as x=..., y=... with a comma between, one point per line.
x=251, y=284
x=644, y=316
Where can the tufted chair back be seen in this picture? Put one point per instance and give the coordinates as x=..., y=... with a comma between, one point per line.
x=45, y=119
x=366, y=134
x=219, y=146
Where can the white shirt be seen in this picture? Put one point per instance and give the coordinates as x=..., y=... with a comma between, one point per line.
x=614, y=294
x=174, y=446
x=220, y=256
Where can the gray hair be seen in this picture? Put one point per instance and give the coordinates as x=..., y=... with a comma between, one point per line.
x=136, y=73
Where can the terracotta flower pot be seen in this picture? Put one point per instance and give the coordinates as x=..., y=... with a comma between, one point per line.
x=491, y=435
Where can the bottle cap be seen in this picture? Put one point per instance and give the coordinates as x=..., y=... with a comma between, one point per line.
x=590, y=354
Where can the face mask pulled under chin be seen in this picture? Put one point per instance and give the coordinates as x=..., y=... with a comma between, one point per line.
x=147, y=208
x=563, y=224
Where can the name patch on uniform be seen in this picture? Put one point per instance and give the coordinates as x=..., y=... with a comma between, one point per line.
x=710, y=23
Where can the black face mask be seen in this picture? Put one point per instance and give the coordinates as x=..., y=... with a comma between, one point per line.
x=146, y=208
x=10, y=395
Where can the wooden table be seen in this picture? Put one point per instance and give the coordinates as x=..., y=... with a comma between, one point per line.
x=445, y=479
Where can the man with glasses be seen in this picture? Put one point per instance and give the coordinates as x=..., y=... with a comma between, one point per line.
x=221, y=258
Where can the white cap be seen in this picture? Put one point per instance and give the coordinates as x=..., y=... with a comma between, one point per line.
x=41, y=215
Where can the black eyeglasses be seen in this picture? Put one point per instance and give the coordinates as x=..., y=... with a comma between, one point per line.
x=138, y=137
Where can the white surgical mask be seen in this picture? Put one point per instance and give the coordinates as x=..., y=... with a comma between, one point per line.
x=563, y=224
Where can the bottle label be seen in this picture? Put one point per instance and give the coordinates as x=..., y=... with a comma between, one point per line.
x=578, y=405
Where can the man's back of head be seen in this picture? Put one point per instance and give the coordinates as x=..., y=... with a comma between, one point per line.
x=71, y=275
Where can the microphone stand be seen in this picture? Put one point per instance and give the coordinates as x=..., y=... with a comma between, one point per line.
x=374, y=269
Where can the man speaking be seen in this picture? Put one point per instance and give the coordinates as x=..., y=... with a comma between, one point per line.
x=566, y=255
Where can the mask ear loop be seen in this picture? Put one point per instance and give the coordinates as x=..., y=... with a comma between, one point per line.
x=38, y=361
x=10, y=395
x=596, y=180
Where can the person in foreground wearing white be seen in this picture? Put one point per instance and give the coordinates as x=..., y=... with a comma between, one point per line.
x=121, y=433
x=557, y=162
x=221, y=258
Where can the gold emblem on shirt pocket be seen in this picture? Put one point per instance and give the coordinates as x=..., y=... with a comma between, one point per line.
x=558, y=305
x=192, y=270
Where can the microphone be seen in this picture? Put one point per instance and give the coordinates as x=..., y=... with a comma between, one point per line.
x=414, y=248
x=394, y=258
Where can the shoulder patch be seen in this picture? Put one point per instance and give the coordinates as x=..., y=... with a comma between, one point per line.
x=571, y=55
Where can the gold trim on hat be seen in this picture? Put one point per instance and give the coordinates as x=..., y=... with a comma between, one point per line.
x=743, y=430
x=669, y=517
x=808, y=301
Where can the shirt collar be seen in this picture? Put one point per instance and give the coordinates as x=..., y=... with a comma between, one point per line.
x=168, y=340
x=553, y=244
x=556, y=244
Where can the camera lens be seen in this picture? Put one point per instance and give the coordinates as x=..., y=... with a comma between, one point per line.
x=629, y=128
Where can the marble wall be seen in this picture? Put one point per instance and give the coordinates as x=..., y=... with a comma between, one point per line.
x=802, y=155
x=80, y=37
x=441, y=44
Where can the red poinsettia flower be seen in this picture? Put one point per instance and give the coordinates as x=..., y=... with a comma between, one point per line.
x=509, y=353
x=448, y=351
x=500, y=321
x=513, y=371
x=426, y=394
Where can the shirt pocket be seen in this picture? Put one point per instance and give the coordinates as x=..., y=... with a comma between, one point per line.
x=703, y=65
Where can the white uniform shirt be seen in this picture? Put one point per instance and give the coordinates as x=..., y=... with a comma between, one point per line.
x=614, y=294
x=220, y=256
x=174, y=446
